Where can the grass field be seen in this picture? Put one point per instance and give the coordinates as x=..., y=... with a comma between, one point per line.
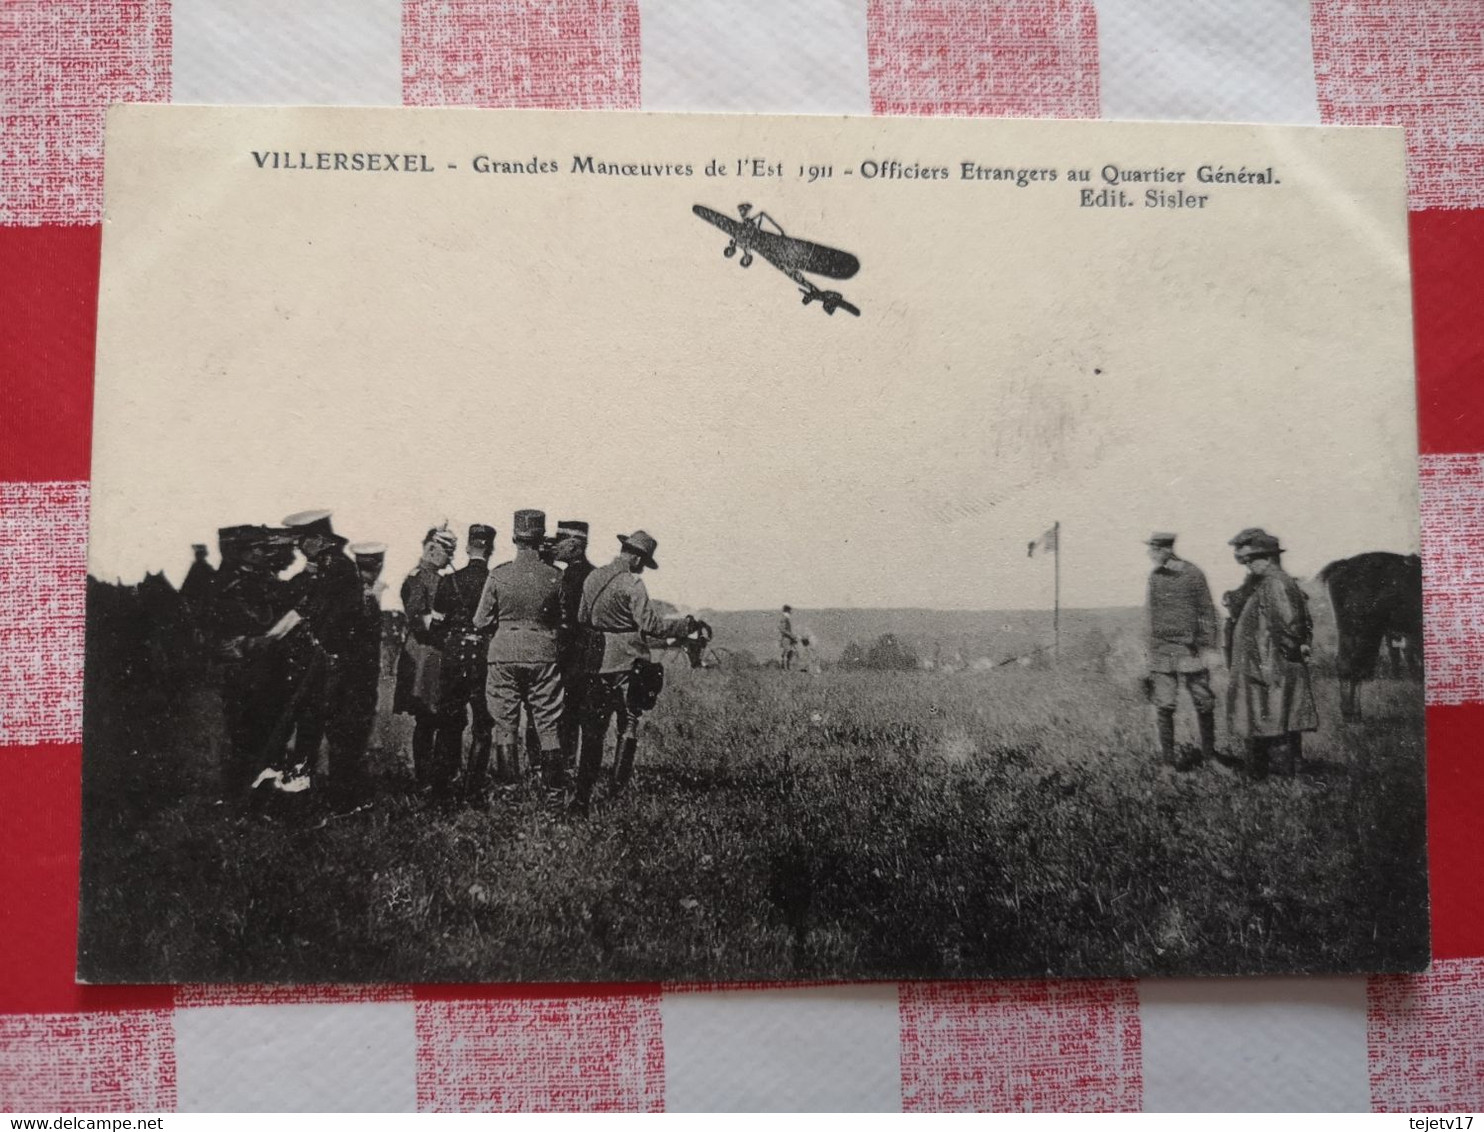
x=853, y=824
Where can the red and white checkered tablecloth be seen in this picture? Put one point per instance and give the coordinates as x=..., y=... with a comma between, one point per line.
x=1328, y=1044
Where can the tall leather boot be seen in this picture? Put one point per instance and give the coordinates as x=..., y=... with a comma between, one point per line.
x=1207, y=722
x=505, y=765
x=1257, y=758
x=478, y=768
x=554, y=768
x=446, y=750
x=1166, y=727
x=1294, y=762
x=424, y=736
x=624, y=770
x=589, y=767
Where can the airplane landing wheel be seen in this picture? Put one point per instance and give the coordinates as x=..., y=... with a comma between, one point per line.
x=746, y=260
x=829, y=308
x=729, y=251
x=808, y=299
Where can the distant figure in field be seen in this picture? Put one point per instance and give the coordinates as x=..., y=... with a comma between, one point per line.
x=1270, y=701
x=1182, y=625
x=788, y=643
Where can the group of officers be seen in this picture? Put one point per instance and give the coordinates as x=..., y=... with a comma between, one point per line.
x=1267, y=641
x=546, y=637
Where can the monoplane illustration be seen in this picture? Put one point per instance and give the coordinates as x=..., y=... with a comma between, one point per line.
x=790, y=255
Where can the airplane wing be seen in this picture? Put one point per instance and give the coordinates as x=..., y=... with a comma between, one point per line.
x=733, y=228
x=793, y=254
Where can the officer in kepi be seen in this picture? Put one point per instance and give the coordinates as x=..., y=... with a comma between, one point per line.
x=363, y=674
x=570, y=549
x=424, y=687
x=616, y=608
x=522, y=610
x=1182, y=625
x=467, y=653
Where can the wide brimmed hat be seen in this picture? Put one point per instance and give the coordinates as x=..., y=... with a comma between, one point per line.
x=1246, y=535
x=642, y=544
x=1161, y=538
x=311, y=524
x=529, y=524
x=482, y=534
x=1259, y=546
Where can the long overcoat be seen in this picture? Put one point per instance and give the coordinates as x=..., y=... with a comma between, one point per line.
x=423, y=686
x=1270, y=693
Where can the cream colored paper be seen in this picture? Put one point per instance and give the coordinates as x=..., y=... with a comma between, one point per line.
x=409, y=347
x=955, y=773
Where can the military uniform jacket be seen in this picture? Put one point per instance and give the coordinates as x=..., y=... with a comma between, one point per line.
x=1182, y=616
x=522, y=607
x=245, y=603
x=465, y=647
x=616, y=604
x=332, y=601
x=574, y=644
x=420, y=683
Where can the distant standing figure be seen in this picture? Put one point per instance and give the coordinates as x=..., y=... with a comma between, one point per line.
x=1270, y=701
x=1182, y=625
x=788, y=644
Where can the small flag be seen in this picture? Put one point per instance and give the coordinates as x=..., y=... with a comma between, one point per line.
x=1046, y=543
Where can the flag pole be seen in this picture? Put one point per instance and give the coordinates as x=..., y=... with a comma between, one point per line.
x=1056, y=593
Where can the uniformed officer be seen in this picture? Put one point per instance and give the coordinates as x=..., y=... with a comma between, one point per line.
x=331, y=600
x=466, y=655
x=363, y=676
x=570, y=549
x=522, y=608
x=247, y=600
x=421, y=689
x=616, y=607
x=1182, y=625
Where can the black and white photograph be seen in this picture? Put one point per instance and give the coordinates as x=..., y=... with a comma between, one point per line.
x=537, y=547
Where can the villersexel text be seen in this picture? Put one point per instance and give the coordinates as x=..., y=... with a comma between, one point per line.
x=1106, y=186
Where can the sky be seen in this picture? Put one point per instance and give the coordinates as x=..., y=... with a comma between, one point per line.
x=406, y=352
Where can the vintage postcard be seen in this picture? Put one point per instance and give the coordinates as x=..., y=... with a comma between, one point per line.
x=543, y=546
